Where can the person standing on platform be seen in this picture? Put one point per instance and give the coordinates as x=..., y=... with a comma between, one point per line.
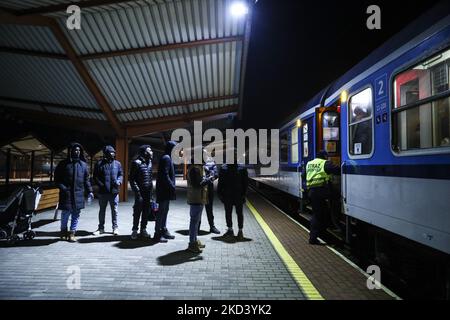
x=232, y=190
x=197, y=197
x=141, y=181
x=165, y=192
x=108, y=176
x=318, y=178
x=211, y=171
x=72, y=179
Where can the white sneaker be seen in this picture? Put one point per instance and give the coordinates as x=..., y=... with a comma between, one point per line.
x=144, y=234
x=116, y=231
x=99, y=232
x=134, y=235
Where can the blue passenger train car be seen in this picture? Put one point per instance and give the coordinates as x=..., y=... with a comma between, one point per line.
x=386, y=122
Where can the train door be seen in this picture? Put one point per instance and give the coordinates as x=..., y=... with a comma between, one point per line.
x=307, y=146
x=329, y=139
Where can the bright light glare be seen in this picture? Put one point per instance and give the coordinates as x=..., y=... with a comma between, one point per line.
x=238, y=9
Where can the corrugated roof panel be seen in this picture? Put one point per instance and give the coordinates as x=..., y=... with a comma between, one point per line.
x=42, y=79
x=166, y=77
x=146, y=23
x=34, y=38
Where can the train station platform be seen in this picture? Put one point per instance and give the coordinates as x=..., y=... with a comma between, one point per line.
x=274, y=262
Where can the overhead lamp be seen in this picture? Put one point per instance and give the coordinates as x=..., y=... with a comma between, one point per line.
x=344, y=96
x=299, y=123
x=238, y=9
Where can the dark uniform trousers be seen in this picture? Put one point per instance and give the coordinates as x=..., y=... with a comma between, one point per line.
x=141, y=209
x=319, y=220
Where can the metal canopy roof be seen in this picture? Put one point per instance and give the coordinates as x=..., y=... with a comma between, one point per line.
x=142, y=66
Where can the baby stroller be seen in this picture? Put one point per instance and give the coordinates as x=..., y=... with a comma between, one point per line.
x=16, y=213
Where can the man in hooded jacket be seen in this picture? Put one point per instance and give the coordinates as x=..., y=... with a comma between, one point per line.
x=141, y=181
x=165, y=192
x=72, y=179
x=108, y=176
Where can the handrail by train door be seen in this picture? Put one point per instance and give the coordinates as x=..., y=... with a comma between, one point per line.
x=344, y=189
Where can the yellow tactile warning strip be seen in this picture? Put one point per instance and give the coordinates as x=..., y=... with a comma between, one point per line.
x=331, y=275
x=299, y=276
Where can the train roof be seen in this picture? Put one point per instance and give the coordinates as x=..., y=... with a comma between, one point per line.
x=409, y=33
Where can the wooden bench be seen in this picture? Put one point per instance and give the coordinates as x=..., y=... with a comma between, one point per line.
x=49, y=199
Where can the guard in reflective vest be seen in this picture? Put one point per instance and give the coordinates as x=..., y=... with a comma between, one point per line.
x=318, y=178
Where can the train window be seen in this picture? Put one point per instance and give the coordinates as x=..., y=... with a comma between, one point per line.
x=294, y=145
x=360, y=123
x=330, y=131
x=422, y=106
x=284, y=147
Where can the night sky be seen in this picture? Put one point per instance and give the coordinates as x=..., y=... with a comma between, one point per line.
x=298, y=47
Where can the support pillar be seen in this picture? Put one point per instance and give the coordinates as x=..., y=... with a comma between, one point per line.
x=52, y=158
x=122, y=156
x=8, y=167
x=32, y=167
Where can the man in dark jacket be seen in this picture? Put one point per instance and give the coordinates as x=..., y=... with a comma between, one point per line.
x=165, y=192
x=232, y=189
x=141, y=181
x=72, y=179
x=108, y=177
x=211, y=171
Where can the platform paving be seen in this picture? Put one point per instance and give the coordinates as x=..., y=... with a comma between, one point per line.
x=115, y=267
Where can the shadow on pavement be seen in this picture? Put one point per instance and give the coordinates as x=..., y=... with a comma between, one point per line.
x=230, y=240
x=40, y=223
x=186, y=232
x=28, y=243
x=56, y=234
x=178, y=257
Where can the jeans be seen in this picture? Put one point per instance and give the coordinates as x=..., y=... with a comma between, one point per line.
x=228, y=215
x=103, y=199
x=65, y=214
x=141, y=211
x=196, y=213
x=161, y=216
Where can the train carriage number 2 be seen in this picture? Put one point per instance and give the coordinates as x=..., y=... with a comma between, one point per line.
x=381, y=90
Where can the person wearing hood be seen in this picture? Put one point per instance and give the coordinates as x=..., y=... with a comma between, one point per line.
x=108, y=176
x=141, y=181
x=165, y=192
x=232, y=189
x=72, y=179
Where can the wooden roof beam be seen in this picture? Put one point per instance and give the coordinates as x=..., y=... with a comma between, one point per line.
x=63, y=6
x=165, y=47
x=86, y=77
x=50, y=104
x=177, y=104
x=144, y=127
x=34, y=53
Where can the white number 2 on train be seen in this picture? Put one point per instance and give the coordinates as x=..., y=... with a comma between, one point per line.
x=381, y=90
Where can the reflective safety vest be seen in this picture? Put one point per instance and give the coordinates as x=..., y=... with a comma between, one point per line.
x=315, y=173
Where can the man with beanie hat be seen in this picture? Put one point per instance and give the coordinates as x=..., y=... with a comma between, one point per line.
x=165, y=192
x=72, y=179
x=108, y=176
x=141, y=181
